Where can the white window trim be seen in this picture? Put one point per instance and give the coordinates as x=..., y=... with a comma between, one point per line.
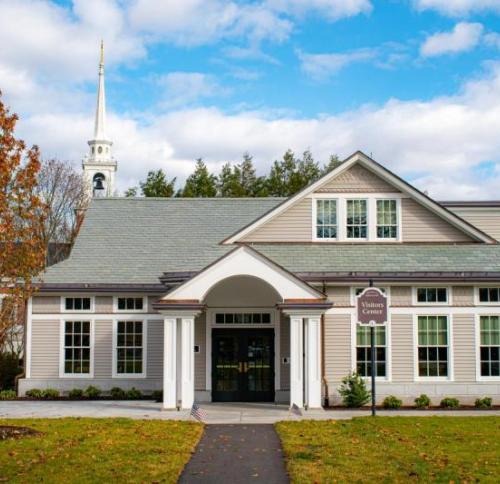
x=75, y=311
x=477, y=345
x=371, y=199
x=451, y=373
x=275, y=324
x=135, y=311
x=62, y=373
x=449, y=295
x=130, y=376
x=477, y=302
x=388, y=351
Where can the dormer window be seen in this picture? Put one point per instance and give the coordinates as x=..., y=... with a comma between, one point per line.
x=387, y=219
x=357, y=219
x=326, y=219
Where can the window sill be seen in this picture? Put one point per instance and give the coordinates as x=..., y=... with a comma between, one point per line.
x=76, y=375
x=130, y=376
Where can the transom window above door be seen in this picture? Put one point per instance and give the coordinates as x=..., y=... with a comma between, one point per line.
x=243, y=318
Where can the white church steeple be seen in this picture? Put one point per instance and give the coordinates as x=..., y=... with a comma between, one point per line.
x=99, y=166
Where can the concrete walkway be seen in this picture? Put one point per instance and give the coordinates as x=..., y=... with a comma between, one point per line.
x=237, y=454
x=217, y=413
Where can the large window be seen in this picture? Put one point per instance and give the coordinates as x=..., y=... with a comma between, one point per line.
x=364, y=353
x=130, y=304
x=433, y=346
x=130, y=348
x=489, y=295
x=77, y=303
x=490, y=345
x=326, y=219
x=432, y=295
x=387, y=219
x=357, y=219
x=77, y=347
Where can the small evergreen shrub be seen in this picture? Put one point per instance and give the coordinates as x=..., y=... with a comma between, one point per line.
x=118, y=394
x=35, y=393
x=8, y=395
x=92, y=392
x=134, y=394
x=157, y=395
x=50, y=393
x=450, y=402
x=392, y=402
x=353, y=391
x=423, y=401
x=483, y=402
x=76, y=393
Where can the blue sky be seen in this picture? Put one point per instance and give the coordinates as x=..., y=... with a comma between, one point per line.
x=414, y=82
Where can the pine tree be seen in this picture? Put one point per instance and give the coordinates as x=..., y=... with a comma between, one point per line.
x=228, y=182
x=308, y=170
x=157, y=185
x=283, y=178
x=201, y=183
x=248, y=177
x=333, y=163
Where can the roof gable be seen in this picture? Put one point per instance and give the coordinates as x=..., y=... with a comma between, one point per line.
x=380, y=178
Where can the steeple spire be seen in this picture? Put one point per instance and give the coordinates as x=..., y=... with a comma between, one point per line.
x=99, y=166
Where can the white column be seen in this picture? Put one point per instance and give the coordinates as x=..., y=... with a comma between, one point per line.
x=296, y=362
x=169, y=363
x=187, y=367
x=313, y=362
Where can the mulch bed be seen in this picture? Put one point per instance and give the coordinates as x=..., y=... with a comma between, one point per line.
x=15, y=432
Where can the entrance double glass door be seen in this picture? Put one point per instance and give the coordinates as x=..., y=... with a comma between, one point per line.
x=243, y=365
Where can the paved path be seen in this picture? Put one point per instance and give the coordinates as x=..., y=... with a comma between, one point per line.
x=217, y=413
x=237, y=454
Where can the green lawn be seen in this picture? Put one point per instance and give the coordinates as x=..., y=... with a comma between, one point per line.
x=73, y=450
x=393, y=449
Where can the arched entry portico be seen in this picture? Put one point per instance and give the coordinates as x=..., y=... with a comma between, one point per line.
x=244, y=291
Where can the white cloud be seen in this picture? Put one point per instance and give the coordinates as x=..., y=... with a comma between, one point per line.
x=464, y=37
x=331, y=9
x=183, y=88
x=457, y=8
x=492, y=39
x=323, y=66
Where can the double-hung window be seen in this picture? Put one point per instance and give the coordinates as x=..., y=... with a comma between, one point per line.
x=387, y=219
x=433, y=350
x=77, y=304
x=130, y=348
x=326, y=219
x=356, y=219
x=77, y=348
x=432, y=295
x=364, y=353
x=130, y=303
x=489, y=327
x=489, y=295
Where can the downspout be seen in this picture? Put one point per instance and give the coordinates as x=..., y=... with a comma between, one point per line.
x=323, y=371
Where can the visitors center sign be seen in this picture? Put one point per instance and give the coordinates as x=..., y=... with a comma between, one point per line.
x=372, y=307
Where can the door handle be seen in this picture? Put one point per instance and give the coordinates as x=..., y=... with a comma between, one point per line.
x=240, y=367
x=245, y=366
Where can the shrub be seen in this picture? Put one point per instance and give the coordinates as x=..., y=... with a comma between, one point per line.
x=35, y=393
x=157, y=395
x=8, y=395
x=392, y=402
x=450, y=402
x=9, y=369
x=353, y=391
x=134, y=394
x=423, y=401
x=50, y=393
x=76, y=393
x=92, y=392
x=483, y=402
x=118, y=394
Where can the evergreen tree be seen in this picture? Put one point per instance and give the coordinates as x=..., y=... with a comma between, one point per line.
x=248, y=177
x=333, y=163
x=131, y=192
x=308, y=170
x=228, y=182
x=157, y=185
x=201, y=183
x=283, y=179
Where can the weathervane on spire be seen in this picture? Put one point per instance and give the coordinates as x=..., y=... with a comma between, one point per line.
x=99, y=166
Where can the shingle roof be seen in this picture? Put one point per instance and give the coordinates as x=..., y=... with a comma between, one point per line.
x=135, y=240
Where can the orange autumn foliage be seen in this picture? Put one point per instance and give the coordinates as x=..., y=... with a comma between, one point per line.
x=21, y=219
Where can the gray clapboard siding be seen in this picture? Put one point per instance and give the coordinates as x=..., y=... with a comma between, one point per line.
x=285, y=351
x=487, y=220
x=295, y=224
x=339, y=295
x=337, y=348
x=46, y=305
x=463, y=295
x=155, y=349
x=464, y=354
x=401, y=296
x=200, y=376
x=402, y=347
x=421, y=225
x=103, y=349
x=357, y=179
x=45, y=342
x=103, y=304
